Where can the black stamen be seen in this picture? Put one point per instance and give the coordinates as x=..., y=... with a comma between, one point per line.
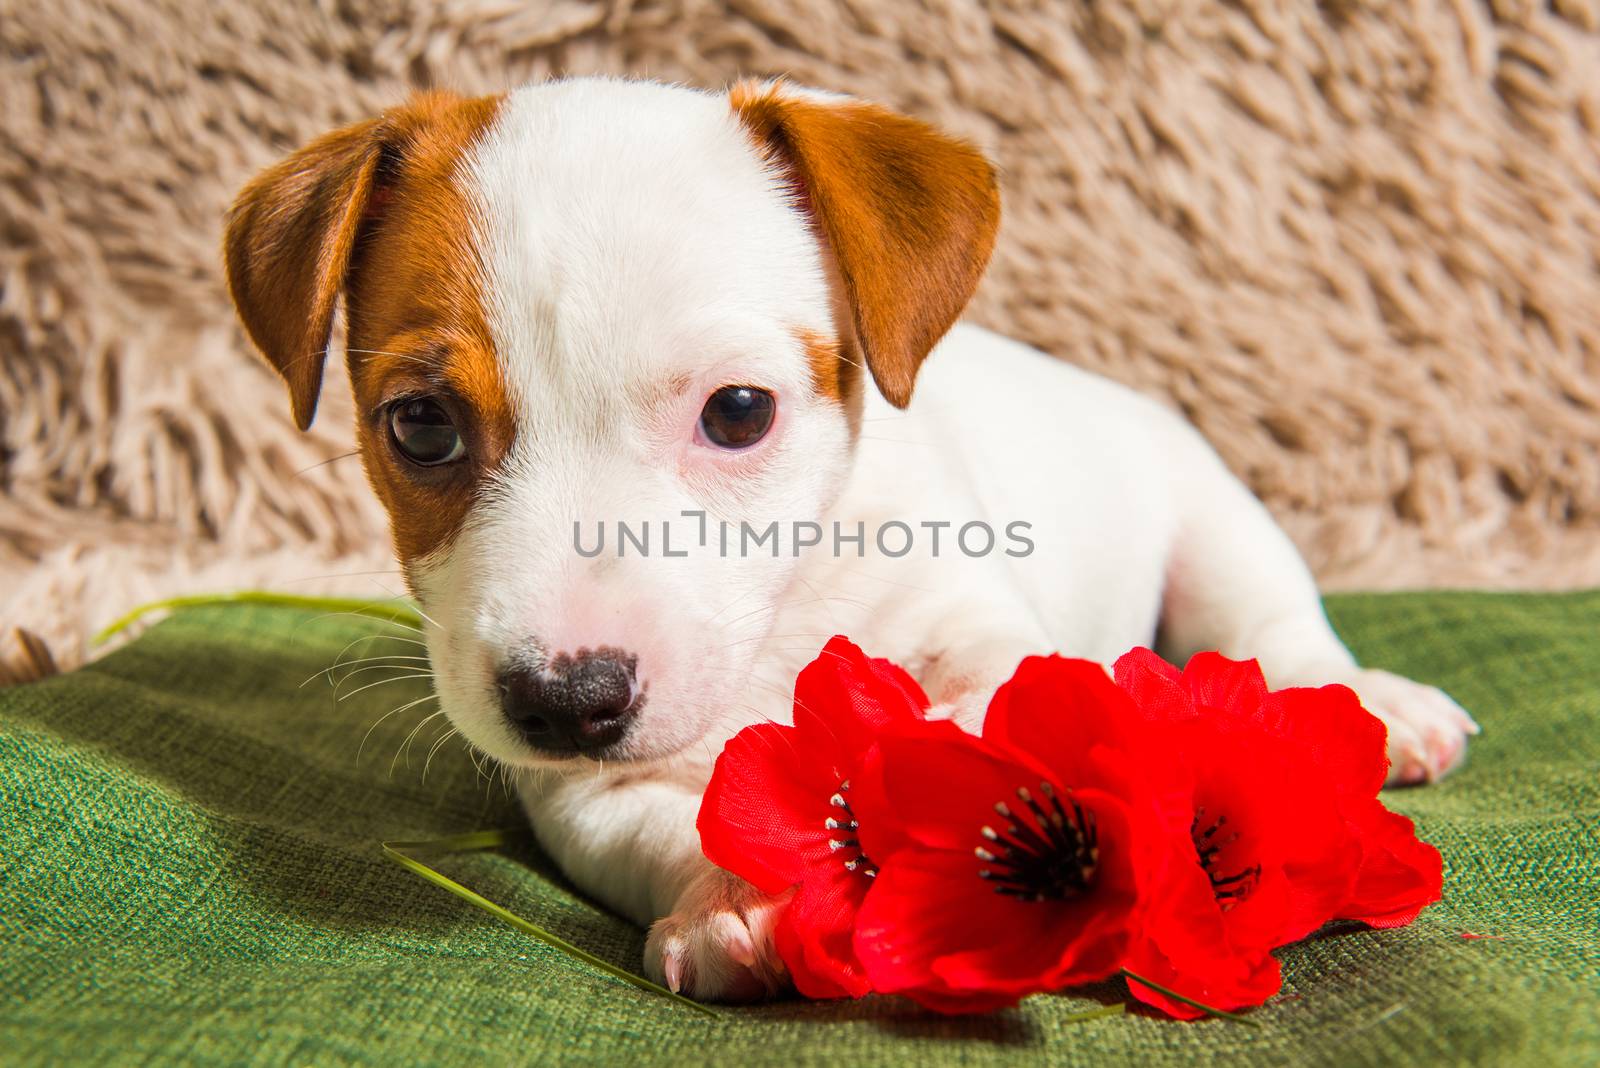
x=857, y=862
x=1053, y=856
x=1229, y=890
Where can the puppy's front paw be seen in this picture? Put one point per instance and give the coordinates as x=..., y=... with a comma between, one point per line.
x=717, y=944
x=1427, y=730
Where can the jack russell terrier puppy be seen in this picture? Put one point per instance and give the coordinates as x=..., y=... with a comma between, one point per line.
x=597, y=304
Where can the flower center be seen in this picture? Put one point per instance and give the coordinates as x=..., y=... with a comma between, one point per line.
x=1209, y=843
x=1043, y=853
x=845, y=824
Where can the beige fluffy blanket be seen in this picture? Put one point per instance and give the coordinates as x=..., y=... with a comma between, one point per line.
x=1356, y=241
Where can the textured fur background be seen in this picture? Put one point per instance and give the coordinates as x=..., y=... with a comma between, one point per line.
x=1355, y=241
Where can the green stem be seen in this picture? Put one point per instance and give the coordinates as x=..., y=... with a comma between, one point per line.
x=1202, y=1006
x=462, y=843
x=377, y=609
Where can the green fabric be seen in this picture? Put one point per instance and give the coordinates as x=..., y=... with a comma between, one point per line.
x=189, y=869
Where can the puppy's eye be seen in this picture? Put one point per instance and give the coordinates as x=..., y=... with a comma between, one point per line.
x=736, y=417
x=423, y=432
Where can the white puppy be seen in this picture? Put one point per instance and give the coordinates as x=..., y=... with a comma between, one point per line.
x=611, y=345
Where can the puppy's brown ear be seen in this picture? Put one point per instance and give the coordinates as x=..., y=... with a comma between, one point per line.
x=287, y=245
x=909, y=214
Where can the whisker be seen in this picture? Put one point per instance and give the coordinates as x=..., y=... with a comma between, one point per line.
x=817, y=598
x=377, y=637
x=388, y=638
x=386, y=715
x=373, y=660
x=370, y=667
x=383, y=656
x=895, y=441
x=774, y=689
x=365, y=615
x=346, y=574
x=325, y=463
x=477, y=763
x=397, y=355
x=823, y=634
x=741, y=618
x=380, y=682
x=803, y=650
x=731, y=603
x=415, y=607
x=405, y=746
x=449, y=734
x=891, y=582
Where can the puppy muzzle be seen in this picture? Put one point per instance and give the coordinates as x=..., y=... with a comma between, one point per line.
x=572, y=704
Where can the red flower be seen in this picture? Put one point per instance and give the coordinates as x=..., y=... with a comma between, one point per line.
x=1012, y=863
x=1178, y=825
x=778, y=811
x=1275, y=828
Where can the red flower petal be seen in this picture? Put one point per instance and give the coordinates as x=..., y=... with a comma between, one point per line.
x=1155, y=686
x=762, y=813
x=815, y=936
x=933, y=927
x=1349, y=743
x=844, y=698
x=933, y=930
x=1069, y=716
x=931, y=905
x=1232, y=687
x=1224, y=982
x=1292, y=828
x=1399, y=876
x=937, y=786
x=1188, y=943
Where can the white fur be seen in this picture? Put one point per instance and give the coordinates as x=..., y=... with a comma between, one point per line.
x=636, y=254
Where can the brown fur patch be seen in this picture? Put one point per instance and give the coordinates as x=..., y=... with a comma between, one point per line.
x=286, y=245
x=909, y=215
x=833, y=374
x=376, y=211
x=415, y=295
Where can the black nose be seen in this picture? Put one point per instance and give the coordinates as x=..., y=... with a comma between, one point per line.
x=572, y=703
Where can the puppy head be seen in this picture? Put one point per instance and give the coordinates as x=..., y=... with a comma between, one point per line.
x=596, y=302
